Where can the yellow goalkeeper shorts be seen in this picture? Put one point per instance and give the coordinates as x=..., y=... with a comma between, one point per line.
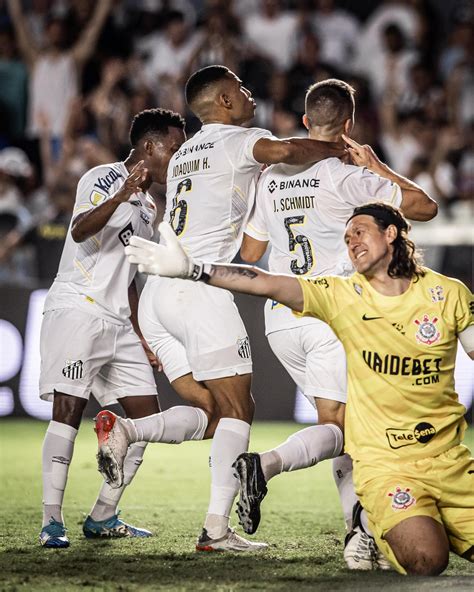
x=441, y=487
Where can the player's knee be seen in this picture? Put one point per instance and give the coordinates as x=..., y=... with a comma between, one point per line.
x=426, y=562
x=68, y=409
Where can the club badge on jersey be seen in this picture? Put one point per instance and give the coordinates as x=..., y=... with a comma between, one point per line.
x=427, y=332
x=402, y=499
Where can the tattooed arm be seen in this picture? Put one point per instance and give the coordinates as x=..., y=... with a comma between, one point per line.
x=251, y=280
x=170, y=260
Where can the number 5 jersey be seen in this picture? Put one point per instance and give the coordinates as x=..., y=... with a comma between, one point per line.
x=303, y=211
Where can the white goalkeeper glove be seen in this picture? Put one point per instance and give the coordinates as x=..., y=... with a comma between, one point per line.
x=168, y=260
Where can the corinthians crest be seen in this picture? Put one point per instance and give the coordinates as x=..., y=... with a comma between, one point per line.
x=402, y=499
x=428, y=332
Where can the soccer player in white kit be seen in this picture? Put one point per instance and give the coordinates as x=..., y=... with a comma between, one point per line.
x=195, y=330
x=302, y=213
x=88, y=343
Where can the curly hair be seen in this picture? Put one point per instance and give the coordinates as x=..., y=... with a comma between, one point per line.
x=153, y=122
x=406, y=259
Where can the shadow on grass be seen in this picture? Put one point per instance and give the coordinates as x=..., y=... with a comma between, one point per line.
x=104, y=565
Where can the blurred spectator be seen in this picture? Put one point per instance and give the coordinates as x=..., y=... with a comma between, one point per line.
x=307, y=69
x=13, y=85
x=54, y=69
x=218, y=44
x=46, y=236
x=338, y=32
x=14, y=166
x=390, y=12
x=458, y=50
x=167, y=67
x=422, y=93
x=388, y=69
x=272, y=33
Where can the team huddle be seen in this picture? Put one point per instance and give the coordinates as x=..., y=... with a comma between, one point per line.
x=367, y=333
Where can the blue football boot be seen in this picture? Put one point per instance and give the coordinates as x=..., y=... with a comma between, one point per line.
x=111, y=528
x=54, y=536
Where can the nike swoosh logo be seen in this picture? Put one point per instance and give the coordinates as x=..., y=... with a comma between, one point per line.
x=366, y=318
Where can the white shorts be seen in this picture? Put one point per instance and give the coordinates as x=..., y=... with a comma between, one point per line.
x=81, y=354
x=314, y=358
x=193, y=327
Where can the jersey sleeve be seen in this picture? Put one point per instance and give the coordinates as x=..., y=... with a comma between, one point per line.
x=257, y=225
x=242, y=147
x=88, y=195
x=463, y=302
x=319, y=295
x=358, y=186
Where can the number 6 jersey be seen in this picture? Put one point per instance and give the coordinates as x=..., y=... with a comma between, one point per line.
x=302, y=211
x=211, y=186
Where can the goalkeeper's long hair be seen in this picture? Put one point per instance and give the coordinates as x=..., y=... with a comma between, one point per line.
x=406, y=259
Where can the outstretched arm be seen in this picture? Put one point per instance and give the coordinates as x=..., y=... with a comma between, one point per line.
x=24, y=38
x=86, y=43
x=170, y=260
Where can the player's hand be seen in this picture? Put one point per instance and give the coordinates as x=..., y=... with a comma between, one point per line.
x=168, y=260
x=362, y=156
x=132, y=183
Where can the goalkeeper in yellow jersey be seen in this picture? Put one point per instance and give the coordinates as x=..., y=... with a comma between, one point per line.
x=399, y=324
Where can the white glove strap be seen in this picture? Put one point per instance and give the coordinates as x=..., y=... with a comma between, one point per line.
x=199, y=271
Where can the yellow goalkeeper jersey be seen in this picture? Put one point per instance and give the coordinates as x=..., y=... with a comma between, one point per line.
x=400, y=352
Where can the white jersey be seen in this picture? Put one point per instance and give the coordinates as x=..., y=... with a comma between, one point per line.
x=303, y=211
x=95, y=275
x=211, y=189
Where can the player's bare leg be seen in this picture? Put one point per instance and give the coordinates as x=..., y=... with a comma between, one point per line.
x=103, y=520
x=58, y=447
x=420, y=545
x=303, y=449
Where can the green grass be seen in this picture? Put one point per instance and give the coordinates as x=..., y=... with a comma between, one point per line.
x=301, y=521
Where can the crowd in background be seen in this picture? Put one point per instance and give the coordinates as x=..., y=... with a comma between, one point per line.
x=74, y=72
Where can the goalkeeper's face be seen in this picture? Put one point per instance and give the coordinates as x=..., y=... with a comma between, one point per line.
x=159, y=151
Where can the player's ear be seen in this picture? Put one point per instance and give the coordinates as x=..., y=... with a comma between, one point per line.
x=306, y=121
x=225, y=101
x=391, y=232
x=149, y=147
x=348, y=126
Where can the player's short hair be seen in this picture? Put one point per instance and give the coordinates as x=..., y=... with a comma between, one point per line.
x=406, y=259
x=202, y=80
x=329, y=103
x=153, y=122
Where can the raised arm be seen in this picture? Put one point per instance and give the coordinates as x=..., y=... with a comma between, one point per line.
x=23, y=36
x=416, y=203
x=170, y=260
x=86, y=43
x=91, y=222
x=295, y=151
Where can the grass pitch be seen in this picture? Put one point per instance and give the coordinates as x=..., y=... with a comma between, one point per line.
x=301, y=520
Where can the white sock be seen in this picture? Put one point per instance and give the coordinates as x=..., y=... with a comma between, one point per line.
x=106, y=504
x=231, y=438
x=58, y=447
x=303, y=449
x=172, y=426
x=342, y=473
